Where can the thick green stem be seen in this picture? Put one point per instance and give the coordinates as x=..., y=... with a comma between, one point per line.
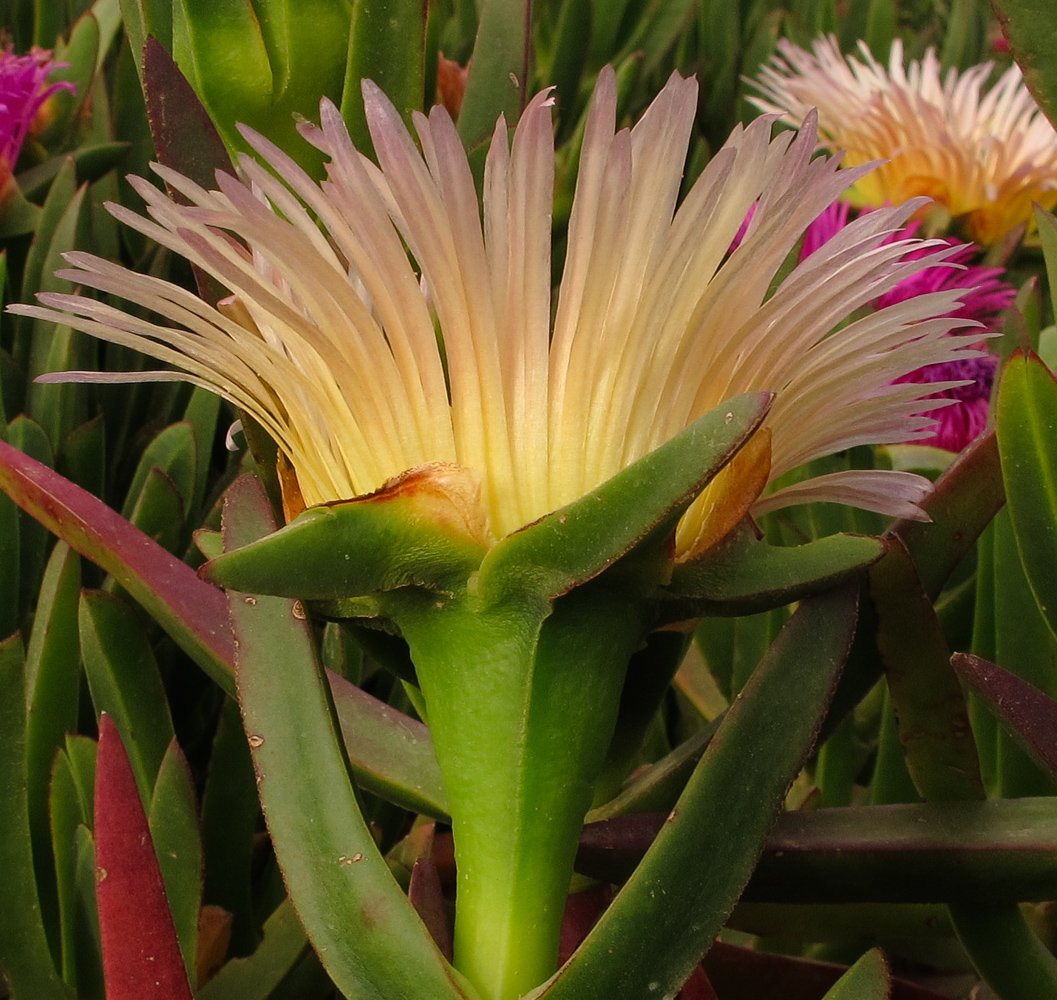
x=522, y=706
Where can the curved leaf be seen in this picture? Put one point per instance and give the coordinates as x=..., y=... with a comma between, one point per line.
x=704, y=855
x=339, y=883
x=742, y=575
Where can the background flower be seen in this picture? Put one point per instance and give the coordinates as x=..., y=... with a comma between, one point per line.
x=983, y=154
x=24, y=89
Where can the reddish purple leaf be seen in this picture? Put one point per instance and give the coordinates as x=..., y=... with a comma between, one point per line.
x=1029, y=715
x=962, y=503
x=742, y=974
x=698, y=987
x=582, y=910
x=427, y=897
x=185, y=137
x=194, y=613
x=141, y=956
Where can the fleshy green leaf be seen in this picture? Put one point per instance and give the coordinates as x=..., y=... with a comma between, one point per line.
x=53, y=677
x=744, y=575
x=173, y=820
x=386, y=45
x=996, y=851
x=867, y=979
x=185, y=137
x=173, y=451
x=258, y=975
x=1031, y=27
x=394, y=753
x=338, y=881
x=929, y=703
x=193, y=613
x=81, y=966
x=90, y=163
x=25, y=958
x=499, y=71
x=960, y=506
x=124, y=681
x=1027, y=441
x=703, y=856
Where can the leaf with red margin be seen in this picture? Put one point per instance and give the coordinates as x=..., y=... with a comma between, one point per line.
x=392, y=754
x=191, y=611
x=141, y=956
x=1029, y=715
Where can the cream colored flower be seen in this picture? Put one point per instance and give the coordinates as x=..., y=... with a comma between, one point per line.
x=380, y=325
x=984, y=154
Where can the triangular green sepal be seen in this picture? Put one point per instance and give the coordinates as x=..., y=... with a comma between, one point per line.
x=417, y=529
x=743, y=575
x=575, y=543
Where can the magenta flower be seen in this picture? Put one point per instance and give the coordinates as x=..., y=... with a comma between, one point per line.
x=24, y=88
x=967, y=382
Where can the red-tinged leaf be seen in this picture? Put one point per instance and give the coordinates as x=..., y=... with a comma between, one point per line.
x=141, y=956
x=190, y=610
x=184, y=135
x=1029, y=715
x=698, y=987
x=427, y=897
x=962, y=503
x=195, y=614
x=582, y=910
x=743, y=974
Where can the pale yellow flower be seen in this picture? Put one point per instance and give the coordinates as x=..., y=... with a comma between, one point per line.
x=381, y=325
x=984, y=154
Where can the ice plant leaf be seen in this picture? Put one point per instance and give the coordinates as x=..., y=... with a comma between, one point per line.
x=141, y=956
x=960, y=506
x=1027, y=442
x=1027, y=713
x=394, y=756
x=185, y=137
x=996, y=851
x=499, y=71
x=867, y=979
x=575, y=543
x=125, y=682
x=416, y=530
x=744, y=575
x=195, y=615
x=1031, y=27
x=930, y=706
x=701, y=860
x=191, y=611
x=338, y=881
x=25, y=959
x=386, y=45
x=173, y=820
x=259, y=974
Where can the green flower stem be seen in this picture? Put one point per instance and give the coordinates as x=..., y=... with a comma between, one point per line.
x=522, y=702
